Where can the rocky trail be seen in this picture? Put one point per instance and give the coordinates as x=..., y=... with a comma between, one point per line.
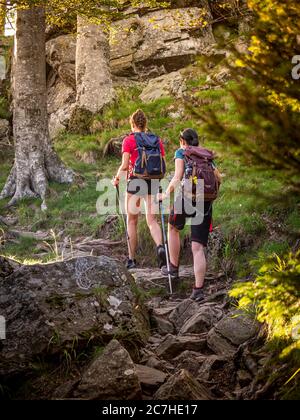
x=137, y=341
x=201, y=347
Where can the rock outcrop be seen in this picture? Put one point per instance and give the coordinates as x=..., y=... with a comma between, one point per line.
x=50, y=307
x=146, y=44
x=160, y=41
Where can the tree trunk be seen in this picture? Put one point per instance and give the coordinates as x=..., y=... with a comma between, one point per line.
x=2, y=17
x=36, y=162
x=93, y=74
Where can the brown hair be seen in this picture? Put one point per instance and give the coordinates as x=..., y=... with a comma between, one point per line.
x=139, y=119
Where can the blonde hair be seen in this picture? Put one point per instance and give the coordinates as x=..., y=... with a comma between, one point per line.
x=139, y=119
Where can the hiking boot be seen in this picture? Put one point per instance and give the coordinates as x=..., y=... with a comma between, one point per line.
x=174, y=271
x=131, y=264
x=161, y=256
x=197, y=294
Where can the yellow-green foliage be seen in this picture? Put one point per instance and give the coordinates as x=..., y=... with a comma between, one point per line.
x=268, y=95
x=64, y=12
x=275, y=294
x=282, y=21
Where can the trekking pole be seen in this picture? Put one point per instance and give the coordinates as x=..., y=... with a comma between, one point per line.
x=165, y=242
x=124, y=220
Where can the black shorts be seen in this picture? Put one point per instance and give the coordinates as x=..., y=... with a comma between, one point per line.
x=199, y=232
x=146, y=187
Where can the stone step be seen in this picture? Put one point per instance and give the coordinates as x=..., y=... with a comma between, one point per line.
x=149, y=278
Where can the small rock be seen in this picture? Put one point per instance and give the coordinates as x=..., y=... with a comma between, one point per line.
x=90, y=158
x=237, y=328
x=172, y=346
x=232, y=331
x=164, y=311
x=162, y=325
x=111, y=376
x=190, y=361
x=184, y=311
x=219, y=344
x=171, y=84
x=182, y=386
x=114, y=146
x=96, y=127
x=161, y=365
x=202, y=321
x=150, y=378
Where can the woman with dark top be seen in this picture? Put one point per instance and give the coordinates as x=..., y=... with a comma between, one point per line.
x=139, y=189
x=177, y=221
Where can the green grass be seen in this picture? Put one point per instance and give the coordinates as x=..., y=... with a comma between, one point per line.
x=252, y=201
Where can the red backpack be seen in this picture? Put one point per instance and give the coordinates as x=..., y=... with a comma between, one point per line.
x=199, y=166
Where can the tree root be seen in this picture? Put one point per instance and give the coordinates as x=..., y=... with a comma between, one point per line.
x=35, y=185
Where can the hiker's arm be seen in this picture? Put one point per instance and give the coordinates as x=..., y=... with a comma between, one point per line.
x=177, y=178
x=123, y=168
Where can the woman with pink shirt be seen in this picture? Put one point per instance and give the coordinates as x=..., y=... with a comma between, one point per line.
x=141, y=186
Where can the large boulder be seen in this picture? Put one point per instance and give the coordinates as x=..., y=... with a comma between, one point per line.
x=51, y=307
x=160, y=41
x=111, y=376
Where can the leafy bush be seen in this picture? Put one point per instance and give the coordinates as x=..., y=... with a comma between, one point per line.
x=267, y=97
x=275, y=294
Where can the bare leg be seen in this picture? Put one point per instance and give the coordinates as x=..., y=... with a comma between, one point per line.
x=151, y=211
x=133, y=207
x=199, y=263
x=174, y=245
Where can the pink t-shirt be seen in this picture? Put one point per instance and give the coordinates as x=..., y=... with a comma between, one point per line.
x=130, y=146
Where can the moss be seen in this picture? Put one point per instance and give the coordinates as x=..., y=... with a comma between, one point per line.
x=4, y=109
x=80, y=121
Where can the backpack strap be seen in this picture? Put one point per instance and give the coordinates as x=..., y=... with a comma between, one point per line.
x=141, y=148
